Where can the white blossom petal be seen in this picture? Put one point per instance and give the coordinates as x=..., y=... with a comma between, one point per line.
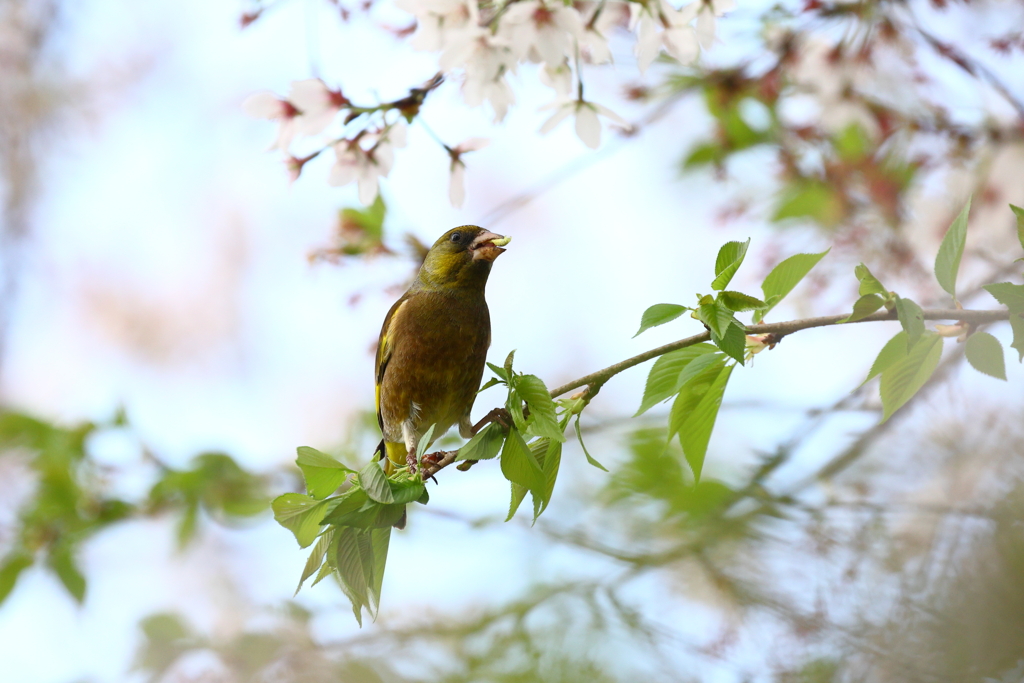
x=706, y=28
x=367, y=186
x=342, y=173
x=309, y=95
x=648, y=42
x=560, y=115
x=606, y=112
x=472, y=144
x=588, y=126
x=264, y=105
x=682, y=43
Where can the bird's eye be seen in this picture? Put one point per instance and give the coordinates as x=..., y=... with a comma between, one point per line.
x=457, y=237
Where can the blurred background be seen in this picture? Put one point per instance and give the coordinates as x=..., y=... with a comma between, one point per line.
x=176, y=318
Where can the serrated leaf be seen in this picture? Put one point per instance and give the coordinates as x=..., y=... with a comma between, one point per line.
x=902, y=379
x=734, y=343
x=330, y=560
x=373, y=480
x=406, y=490
x=316, y=557
x=947, y=261
x=12, y=566
x=985, y=354
x=692, y=392
x=784, y=277
x=1017, y=325
x=518, y=494
x=500, y=372
x=549, y=454
x=911, y=318
x=659, y=314
x=1009, y=295
x=894, y=350
x=730, y=258
x=695, y=431
x=738, y=301
x=323, y=474
x=591, y=460
x=338, y=509
x=380, y=539
x=663, y=380
x=543, y=421
x=717, y=317
x=1019, y=213
x=508, y=364
x=869, y=284
x=518, y=463
x=349, y=565
x=863, y=307
x=494, y=381
x=299, y=514
x=484, y=445
x=514, y=405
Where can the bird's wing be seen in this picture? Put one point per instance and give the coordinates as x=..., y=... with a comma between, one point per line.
x=385, y=346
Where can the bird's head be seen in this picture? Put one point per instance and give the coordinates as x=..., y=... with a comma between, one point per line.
x=461, y=257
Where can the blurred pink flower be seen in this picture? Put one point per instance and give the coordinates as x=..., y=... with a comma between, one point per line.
x=456, y=188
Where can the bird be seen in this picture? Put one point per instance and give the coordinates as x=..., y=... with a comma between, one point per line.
x=433, y=345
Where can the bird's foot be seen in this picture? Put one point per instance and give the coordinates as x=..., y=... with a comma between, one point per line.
x=499, y=415
x=410, y=460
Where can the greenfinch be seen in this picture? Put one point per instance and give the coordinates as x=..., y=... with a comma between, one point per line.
x=433, y=345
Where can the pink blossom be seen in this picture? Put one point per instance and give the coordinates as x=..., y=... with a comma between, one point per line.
x=456, y=188
x=267, y=105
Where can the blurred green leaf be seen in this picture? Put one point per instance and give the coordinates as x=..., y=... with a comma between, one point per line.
x=299, y=514
x=62, y=562
x=810, y=199
x=947, y=261
x=543, y=421
x=784, y=277
x=738, y=301
x=323, y=474
x=663, y=381
x=12, y=566
x=863, y=307
x=659, y=314
x=373, y=480
x=852, y=143
x=985, y=354
x=730, y=258
x=695, y=429
x=707, y=153
x=904, y=377
x=484, y=445
x=369, y=220
x=1017, y=326
x=518, y=463
x=894, y=350
x=911, y=318
x=1019, y=213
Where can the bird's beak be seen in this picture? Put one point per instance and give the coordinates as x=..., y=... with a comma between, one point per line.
x=488, y=246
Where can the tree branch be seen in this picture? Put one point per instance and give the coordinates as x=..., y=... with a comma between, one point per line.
x=435, y=462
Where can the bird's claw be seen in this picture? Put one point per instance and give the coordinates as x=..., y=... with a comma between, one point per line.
x=410, y=460
x=499, y=415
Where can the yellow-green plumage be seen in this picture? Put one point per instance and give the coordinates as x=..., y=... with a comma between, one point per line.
x=433, y=345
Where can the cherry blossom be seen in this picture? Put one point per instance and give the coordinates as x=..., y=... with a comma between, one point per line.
x=710, y=9
x=317, y=105
x=558, y=78
x=486, y=59
x=365, y=166
x=435, y=18
x=267, y=105
x=593, y=39
x=588, y=126
x=541, y=32
x=677, y=36
x=456, y=188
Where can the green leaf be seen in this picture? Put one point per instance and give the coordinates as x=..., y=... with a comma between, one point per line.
x=549, y=454
x=543, y=421
x=299, y=514
x=484, y=445
x=695, y=431
x=1019, y=213
x=514, y=405
x=692, y=392
x=784, y=277
x=663, y=380
x=659, y=314
x=869, y=284
x=380, y=540
x=737, y=301
x=864, y=306
x=13, y=565
x=508, y=364
x=911, y=318
x=341, y=508
x=330, y=561
x=421, y=447
x=734, y=343
x=518, y=463
x=717, y=317
x=894, y=350
x=903, y=378
x=518, y=494
x=62, y=562
x=349, y=563
x=406, y=490
x=810, y=199
x=316, y=557
x=494, y=381
x=947, y=261
x=1017, y=325
x=579, y=435
x=1009, y=295
x=730, y=257
x=985, y=354
x=709, y=153
x=323, y=474
x=500, y=372
x=375, y=483
x=852, y=143
x=370, y=219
